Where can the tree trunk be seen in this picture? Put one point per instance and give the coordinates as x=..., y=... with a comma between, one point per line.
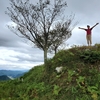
x=45, y=55
x=55, y=50
x=47, y=70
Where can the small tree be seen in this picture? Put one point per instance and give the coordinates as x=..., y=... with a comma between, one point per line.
x=34, y=21
x=60, y=33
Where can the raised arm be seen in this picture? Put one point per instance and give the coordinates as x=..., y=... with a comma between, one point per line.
x=94, y=25
x=82, y=28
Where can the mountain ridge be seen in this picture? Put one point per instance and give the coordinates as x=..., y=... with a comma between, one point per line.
x=12, y=73
x=4, y=78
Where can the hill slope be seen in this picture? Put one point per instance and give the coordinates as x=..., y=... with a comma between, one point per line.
x=78, y=80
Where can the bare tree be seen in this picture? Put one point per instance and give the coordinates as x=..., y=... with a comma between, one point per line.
x=34, y=21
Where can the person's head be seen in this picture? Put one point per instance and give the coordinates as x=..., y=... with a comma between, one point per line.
x=88, y=26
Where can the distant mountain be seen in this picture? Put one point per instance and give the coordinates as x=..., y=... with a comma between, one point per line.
x=4, y=77
x=12, y=73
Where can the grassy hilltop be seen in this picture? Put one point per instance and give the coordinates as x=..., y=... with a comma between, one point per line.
x=78, y=80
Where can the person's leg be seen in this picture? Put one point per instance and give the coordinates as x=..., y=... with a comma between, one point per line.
x=87, y=37
x=90, y=41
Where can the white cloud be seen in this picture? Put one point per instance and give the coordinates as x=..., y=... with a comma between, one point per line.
x=12, y=59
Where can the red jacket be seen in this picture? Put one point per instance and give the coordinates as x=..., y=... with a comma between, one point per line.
x=88, y=31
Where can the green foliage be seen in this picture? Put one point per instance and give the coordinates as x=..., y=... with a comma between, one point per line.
x=56, y=90
x=70, y=74
x=90, y=56
x=79, y=79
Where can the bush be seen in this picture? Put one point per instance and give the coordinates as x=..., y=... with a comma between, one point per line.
x=89, y=56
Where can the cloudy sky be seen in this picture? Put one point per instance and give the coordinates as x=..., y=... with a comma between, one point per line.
x=18, y=54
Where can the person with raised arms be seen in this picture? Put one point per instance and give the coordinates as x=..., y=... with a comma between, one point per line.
x=88, y=35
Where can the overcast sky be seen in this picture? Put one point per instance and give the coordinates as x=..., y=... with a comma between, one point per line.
x=18, y=54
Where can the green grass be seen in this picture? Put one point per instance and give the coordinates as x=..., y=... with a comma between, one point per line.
x=79, y=79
